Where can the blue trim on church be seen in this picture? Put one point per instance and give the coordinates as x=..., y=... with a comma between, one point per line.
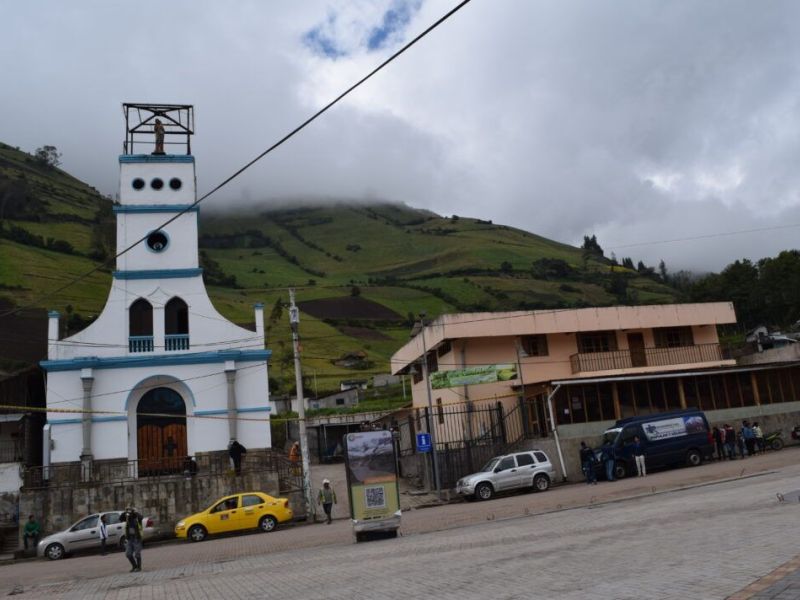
x=155, y=208
x=128, y=362
x=158, y=274
x=156, y=158
x=94, y=420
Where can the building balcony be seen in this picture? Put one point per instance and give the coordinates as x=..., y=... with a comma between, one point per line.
x=176, y=341
x=645, y=357
x=140, y=343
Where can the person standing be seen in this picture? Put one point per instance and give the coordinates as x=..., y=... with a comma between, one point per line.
x=749, y=438
x=608, y=459
x=158, y=129
x=759, y=437
x=718, y=442
x=31, y=531
x=587, y=463
x=638, y=455
x=730, y=442
x=103, y=534
x=327, y=497
x=294, y=458
x=133, y=535
x=235, y=451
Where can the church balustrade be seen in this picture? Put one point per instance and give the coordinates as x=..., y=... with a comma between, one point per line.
x=140, y=343
x=176, y=341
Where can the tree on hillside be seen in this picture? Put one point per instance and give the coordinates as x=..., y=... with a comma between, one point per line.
x=590, y=244
x=48, y=156
x=627, y=262
x=355, y=291
x=506, y=267
x=662, y=270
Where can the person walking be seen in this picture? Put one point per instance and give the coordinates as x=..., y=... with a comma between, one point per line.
x=327, y=498
x=235, y=451
x=608, y=459
x=133, y=535
x=638, y=455
x=718, y=442
x=587, y=463
x=730, y=442
x=31, y=531
x=103, y=529
x=760, y=445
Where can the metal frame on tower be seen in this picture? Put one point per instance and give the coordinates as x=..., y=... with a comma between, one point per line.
x=140, y=120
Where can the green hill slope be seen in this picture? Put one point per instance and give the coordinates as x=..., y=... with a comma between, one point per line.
x=362, y=271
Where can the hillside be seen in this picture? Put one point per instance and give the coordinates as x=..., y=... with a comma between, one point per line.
x=362, y=270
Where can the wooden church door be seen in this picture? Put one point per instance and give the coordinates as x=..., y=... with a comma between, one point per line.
x=161, y=432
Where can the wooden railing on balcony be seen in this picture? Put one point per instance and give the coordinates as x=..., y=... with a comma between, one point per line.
x=645, y=357
x=176, y=341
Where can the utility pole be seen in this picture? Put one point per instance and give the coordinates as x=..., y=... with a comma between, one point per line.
x=294, y=321
x=432, y=428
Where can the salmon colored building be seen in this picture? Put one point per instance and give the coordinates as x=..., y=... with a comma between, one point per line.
x=579, y=370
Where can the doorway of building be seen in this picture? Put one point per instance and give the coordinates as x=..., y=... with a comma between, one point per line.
x=636, y=346
x=161, y=432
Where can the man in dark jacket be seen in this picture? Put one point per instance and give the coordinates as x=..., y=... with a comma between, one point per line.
x=730, y=442
x=587, y=463
x=719, y=443
x=133, y=535
x=608, y=459
x=235, y=451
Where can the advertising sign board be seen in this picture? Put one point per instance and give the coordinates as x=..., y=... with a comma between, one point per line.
x=372, y=481
x=676, y=427
x=473, y=375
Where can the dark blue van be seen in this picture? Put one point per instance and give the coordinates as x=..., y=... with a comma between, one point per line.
x=680, y=437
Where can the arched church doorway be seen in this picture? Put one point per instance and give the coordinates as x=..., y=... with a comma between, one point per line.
x=161, y=432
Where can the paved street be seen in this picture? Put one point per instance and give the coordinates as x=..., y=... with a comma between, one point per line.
x=678, y=544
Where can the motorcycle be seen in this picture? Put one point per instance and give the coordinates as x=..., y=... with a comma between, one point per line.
x=796, y=432
x=774, y=440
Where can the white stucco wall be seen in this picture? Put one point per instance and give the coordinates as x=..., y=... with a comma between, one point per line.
x=10, y=480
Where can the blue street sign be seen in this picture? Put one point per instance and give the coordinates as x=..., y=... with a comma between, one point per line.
x=423, y=442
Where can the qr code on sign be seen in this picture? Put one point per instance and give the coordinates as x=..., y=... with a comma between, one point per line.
x=375, y=497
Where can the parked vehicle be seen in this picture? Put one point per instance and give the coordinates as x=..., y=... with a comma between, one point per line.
x=679, y=437
x=250, y=510
x=532, y=470
x=796, y=432
x=774, y=440
x=85, y=535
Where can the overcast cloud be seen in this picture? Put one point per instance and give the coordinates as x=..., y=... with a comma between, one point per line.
x=638, y=121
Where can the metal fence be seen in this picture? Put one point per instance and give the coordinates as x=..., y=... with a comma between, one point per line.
x=467, y=435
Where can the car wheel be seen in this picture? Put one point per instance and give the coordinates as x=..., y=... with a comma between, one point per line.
x=197, y=533
x=267, y=523
x=619, y=470
x=776, y=444
x=123, y=543
x=361, y=537
x=484, y=491
x=54, y=552
x=541, y=483
x=694, y=458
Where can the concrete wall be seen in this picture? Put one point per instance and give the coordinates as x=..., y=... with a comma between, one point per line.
x=10, y=480
x=168, y=499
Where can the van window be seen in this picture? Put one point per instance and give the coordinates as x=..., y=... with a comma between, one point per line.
x=629, y=433
x=540, y=456
x=506, y=463
x=524, y=459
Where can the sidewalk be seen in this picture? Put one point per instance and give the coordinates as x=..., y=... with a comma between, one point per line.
x=781, y=584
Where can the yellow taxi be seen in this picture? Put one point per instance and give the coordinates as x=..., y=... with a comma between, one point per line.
x=237, y=512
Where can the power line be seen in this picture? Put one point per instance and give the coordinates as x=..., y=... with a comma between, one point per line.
x=271, y=148
x=706, y=236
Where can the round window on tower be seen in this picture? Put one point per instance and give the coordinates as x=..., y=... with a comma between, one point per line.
x=175, y=183
x=137, y=183
x=157, y=241
x=157, y=183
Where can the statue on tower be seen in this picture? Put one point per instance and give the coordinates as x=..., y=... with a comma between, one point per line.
x=158, y=129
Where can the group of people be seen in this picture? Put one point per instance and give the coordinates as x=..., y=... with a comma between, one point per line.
x=748, y=441
x=590, y=459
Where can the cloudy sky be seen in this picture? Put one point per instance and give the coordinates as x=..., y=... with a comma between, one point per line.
x=638, y=121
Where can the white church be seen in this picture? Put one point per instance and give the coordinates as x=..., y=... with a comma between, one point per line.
x=159, y=375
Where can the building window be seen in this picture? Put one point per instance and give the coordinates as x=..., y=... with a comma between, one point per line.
x=443, y=349
x=534, y=345
x=157, y=183
x=339, y=401
x=416, y=374
x=175, y=183
x=433, y=363
x=157, y=241
x=138, y=183
x=597, y=341
x=176, y=317
x=140, y=318
x=673, y=337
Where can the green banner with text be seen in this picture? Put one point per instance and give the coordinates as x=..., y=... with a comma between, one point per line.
x=473, y=375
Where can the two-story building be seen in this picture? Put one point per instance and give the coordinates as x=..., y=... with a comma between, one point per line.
x=576, y=371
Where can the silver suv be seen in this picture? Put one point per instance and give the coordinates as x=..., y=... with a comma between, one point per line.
x=531, y=469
